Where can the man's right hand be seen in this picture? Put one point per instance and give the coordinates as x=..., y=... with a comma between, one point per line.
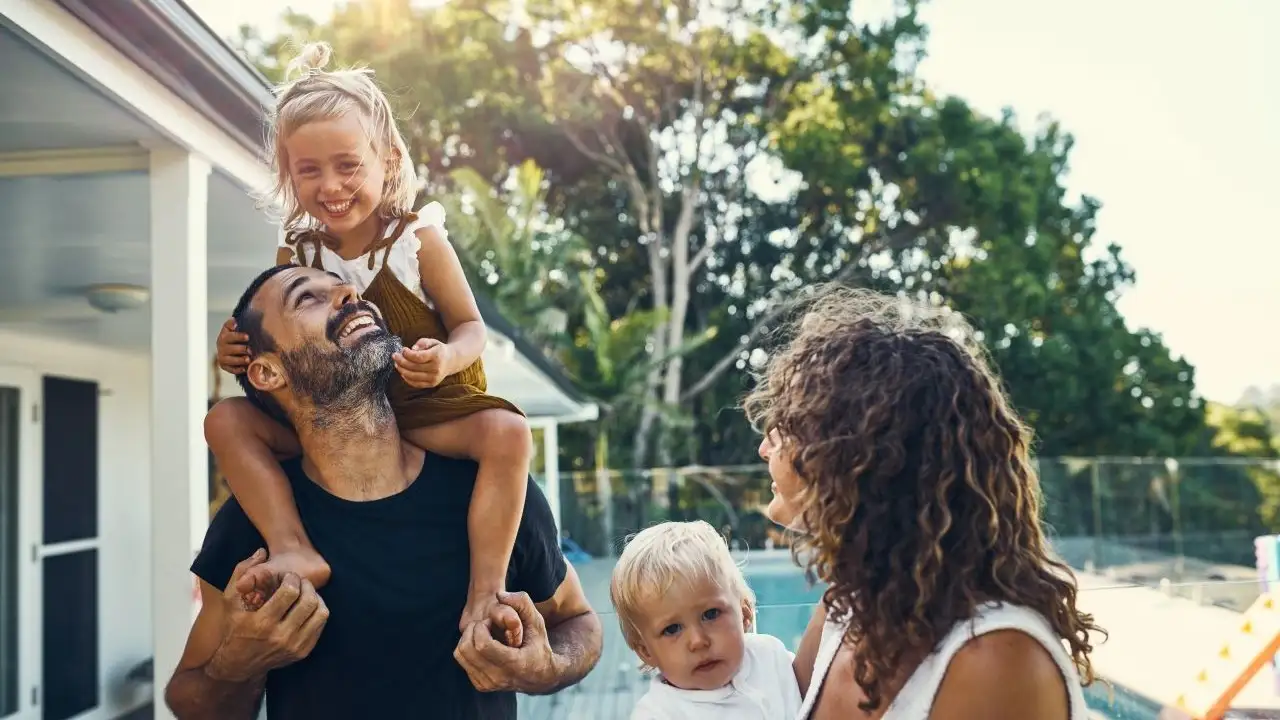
x=283, y=631
x=233, y=348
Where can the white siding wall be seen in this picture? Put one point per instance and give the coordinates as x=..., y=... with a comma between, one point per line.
x=124, y=520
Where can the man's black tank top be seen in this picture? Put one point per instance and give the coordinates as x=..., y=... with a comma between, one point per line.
x=400, y=572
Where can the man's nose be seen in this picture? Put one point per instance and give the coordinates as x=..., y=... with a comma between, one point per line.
x=344, y=294
x=763, y=449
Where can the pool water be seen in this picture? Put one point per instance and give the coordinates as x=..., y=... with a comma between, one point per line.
x=784, y=604
x=784, y=599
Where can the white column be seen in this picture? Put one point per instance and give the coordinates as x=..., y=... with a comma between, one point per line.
x=551, y=467
x=179, y=398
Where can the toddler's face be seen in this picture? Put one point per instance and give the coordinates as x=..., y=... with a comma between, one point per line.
x=336, y=172
x=693, y=634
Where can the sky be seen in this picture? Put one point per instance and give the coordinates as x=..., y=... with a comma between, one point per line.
x=1175, y=108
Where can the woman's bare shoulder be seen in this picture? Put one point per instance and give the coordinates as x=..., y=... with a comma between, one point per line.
x=807, y=652
x=841, y=697
x=1002, y=674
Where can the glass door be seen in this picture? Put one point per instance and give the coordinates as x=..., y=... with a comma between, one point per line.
x=20, y=497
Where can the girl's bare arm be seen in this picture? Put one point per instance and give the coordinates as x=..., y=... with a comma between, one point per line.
x=446, y=284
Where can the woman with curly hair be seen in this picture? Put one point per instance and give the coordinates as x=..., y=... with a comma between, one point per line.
x=898, y=459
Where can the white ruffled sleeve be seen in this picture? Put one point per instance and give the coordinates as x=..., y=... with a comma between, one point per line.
x=431, y=215
x=403, y=260
x=281, y=236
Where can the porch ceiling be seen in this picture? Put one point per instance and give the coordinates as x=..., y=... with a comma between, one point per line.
x=46, y=107
x=63, y=232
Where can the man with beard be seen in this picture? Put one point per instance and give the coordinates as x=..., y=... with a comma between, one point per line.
x=381, y=639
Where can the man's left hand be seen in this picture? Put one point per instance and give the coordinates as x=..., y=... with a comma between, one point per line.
x=493, y=667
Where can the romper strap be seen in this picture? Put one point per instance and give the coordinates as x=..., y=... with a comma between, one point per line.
x=388, y=240
x=314, y=237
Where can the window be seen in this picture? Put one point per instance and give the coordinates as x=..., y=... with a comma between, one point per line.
x=9, y=555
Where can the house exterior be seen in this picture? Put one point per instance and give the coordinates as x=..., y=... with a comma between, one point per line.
x=130, y=145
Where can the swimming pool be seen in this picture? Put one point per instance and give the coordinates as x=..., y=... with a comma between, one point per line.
x=784, y=602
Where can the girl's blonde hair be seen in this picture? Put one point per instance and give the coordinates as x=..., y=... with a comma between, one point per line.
x=659, y=556
x=319, y=94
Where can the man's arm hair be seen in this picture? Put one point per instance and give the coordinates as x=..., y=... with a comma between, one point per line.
x=574, y=632
x=195, y=692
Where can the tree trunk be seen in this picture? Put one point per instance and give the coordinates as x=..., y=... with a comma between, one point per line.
x=681, y=279
x=647, y=203
x=604, y=490
x=650, y=407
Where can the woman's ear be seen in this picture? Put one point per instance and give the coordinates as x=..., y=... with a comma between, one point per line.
x=265, y=374
x=748, y=615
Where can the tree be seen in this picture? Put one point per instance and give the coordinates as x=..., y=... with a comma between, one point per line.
x=527, y=261
x=961, y=209
x=1250, y=433
x=713, y=170
x=1265, y=401
x=666, y=101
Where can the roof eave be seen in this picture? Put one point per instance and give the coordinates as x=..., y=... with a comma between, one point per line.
x=172, y=44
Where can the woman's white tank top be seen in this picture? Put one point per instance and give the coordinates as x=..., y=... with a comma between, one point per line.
x=915, y=700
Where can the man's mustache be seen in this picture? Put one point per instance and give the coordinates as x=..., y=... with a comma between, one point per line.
x=346, y=312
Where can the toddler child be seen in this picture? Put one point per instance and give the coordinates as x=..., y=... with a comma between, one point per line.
x=687, y=612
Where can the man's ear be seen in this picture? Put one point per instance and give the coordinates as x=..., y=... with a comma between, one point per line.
x=265, y=374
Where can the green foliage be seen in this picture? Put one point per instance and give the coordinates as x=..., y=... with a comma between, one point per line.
x=515, y=251
x=569, y=139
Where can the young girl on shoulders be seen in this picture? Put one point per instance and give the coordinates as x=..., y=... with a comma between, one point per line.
x=346, y=183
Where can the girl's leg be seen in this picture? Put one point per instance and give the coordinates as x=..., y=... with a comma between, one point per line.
x=248, y=445
x=500, y=441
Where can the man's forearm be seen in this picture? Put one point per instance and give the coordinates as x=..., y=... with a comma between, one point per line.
x=197, y=695
x=576, y=644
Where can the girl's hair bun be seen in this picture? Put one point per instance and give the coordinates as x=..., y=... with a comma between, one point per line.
x=315, y=56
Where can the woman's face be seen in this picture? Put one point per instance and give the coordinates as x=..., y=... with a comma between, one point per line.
x=785, y=508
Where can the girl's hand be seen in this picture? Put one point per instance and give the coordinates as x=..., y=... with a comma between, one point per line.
x=425, y=364
x=233, y=348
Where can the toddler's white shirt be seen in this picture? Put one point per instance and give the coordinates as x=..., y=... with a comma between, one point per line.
x=764, y=688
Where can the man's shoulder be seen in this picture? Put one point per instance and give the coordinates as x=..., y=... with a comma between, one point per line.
x=443, y=466
x=536, y=519
x=230, y=538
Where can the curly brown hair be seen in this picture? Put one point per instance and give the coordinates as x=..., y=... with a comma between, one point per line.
x=920, y=501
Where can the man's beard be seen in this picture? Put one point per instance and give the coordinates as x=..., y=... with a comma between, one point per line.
x=345, y=384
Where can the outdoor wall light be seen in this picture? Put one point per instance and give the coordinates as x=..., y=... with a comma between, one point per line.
x=114, y=297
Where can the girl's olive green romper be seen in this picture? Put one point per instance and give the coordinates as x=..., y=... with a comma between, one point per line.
x=458, y=395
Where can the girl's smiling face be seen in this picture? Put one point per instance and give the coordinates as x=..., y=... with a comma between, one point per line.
x=337, y=173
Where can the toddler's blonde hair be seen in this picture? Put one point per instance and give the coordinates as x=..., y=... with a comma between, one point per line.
x=660, y=556
x=319, y=94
